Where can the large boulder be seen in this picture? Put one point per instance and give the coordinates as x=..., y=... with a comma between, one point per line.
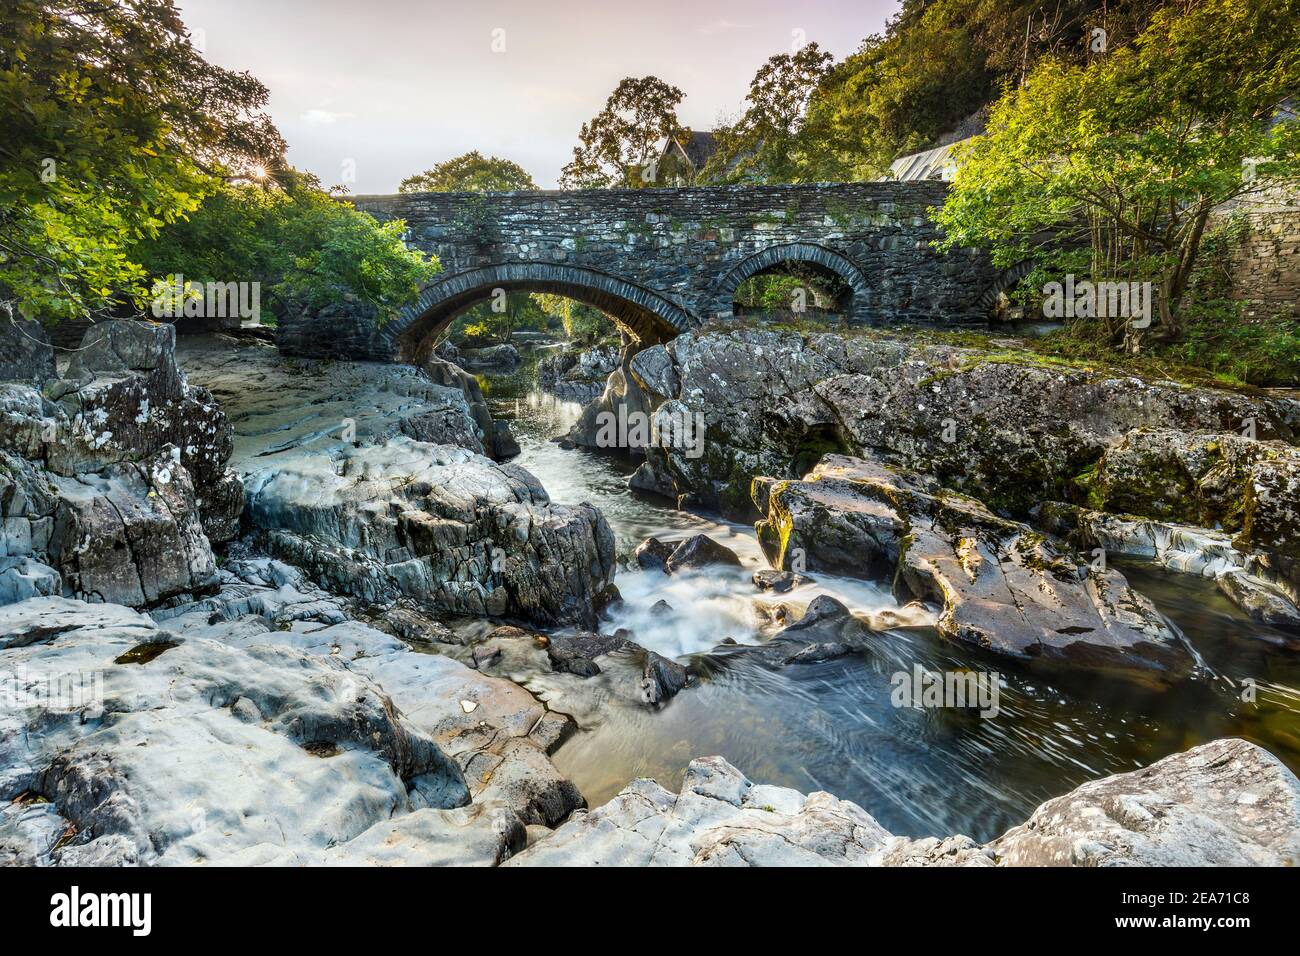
x=336, y=484
x=1001, y=585
x=124, y=398
x=1247, y=487
x=492, y=359
x=128, y=534
x=132, y=536
x=1225, y=803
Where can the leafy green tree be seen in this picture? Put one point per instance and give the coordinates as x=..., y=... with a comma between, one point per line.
x=471, y=172
x=497, y=319
x=306, y=248
x=938, y=63
x=761, y=145
x=1127, y=157
x=618, y=146
x=115, y=126
x=581, y=322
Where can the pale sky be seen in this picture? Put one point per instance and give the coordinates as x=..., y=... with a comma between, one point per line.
x=395, y=86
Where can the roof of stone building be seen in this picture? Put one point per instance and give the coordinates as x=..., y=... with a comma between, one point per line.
x=697, y=147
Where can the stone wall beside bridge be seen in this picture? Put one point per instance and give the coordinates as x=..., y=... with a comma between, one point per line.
x=661, y=261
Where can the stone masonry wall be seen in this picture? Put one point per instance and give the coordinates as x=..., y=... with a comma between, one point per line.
x=690, y=246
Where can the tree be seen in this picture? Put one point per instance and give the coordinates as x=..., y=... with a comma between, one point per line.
x=938, y=64
x=115, y=126
x=304, y=247
x=618, y=146
x=470, y=173
x=1126, y=157
x=761, y=146
x=581, y=322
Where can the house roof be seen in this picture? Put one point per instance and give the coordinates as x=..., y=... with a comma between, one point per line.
x=696, y=147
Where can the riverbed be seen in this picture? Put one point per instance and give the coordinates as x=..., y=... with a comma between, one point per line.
x=831, y=725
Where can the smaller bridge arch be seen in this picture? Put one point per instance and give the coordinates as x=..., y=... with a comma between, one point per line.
x=647, y=315
x=724, y=289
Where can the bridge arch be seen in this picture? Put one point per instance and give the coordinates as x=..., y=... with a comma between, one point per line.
x=775, y=255
x=1006, y=279
x=647, y=315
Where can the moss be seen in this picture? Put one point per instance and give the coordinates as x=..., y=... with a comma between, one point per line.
x=144, y=653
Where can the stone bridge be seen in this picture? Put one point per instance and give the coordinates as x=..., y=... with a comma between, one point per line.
x=661, y=261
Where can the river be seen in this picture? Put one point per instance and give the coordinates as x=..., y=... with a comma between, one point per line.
x=831, y=725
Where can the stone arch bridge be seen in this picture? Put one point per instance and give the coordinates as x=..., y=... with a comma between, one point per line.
x=662, y=261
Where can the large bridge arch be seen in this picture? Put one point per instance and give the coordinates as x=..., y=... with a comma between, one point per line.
x=647, y=315
x=724, y=290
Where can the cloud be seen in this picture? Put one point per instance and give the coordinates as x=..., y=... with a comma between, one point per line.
x=319, y=117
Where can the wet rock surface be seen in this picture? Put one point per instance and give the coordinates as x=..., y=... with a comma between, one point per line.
x=1002, y=586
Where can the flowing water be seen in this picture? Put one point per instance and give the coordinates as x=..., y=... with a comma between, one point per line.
x=831, y=725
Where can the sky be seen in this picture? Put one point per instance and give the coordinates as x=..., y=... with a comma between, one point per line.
x=368, y=92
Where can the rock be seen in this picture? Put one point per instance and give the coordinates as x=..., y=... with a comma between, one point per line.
x=122, y=541
x=504, y=444
x=1225, y=803
x=699, y=551
x=578, y=376
x=494, y=359
x=205, y=749
x=26, y=355
x=1002, y=586
x=826, y=631
x=1262, y=603
x=345, y=329
x=1245, y=578
x=779, y=582
x=122, y=348
x=653, y=554
x=775, y=402
x=719, y=818
x=129, y=535
x=522, y=777
x=1248, y=488
x=125, y=400
x=661, y=607
x=577, y=653
x=661, y=678
x=334, y=485
x=22, y=578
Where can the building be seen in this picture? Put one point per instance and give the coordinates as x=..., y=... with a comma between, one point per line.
x=683, y=156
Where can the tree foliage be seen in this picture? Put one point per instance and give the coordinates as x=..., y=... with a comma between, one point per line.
x=618, y=146
x=115, y=126
x=306, y=248
x=1126, y=157
x=471, y=172
x=762, y=145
